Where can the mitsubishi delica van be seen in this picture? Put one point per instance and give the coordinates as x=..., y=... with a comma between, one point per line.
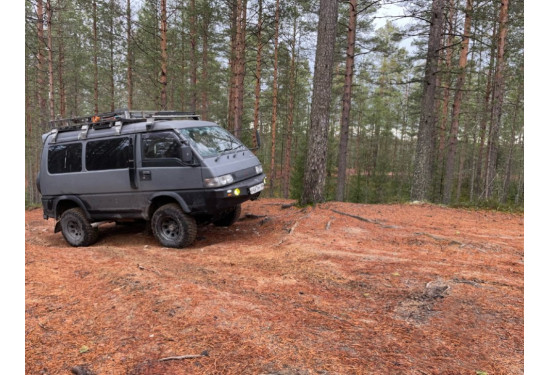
x=166, y=168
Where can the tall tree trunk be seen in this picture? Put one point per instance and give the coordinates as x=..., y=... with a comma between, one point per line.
x=240, y=66
x=193, y=53
x=49, y=13
x=486, y=107
x=444, y=110
x=129, y=56
x=290, y=115
x=40, y=61
x=232, y=65
x=496, y=111
x=346, y=102
x=447, y=89
x=204, y=72
x=112, y=54
x=315, y=172
x=258, y=74
x=163, y=55
x=96, y=73
x=274, y=98
x=61, y=63
x=423, y=170
x=183, y=61
x=453, y=138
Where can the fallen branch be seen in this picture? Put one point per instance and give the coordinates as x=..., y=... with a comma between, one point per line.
x=357, y=217
x=293, y=227
x=188, y=356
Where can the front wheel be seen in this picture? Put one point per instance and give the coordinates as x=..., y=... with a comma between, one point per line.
x=172, y=227
x=229, y=217
x=76, y=228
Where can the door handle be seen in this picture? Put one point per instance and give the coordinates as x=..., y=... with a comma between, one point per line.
x=145, y=175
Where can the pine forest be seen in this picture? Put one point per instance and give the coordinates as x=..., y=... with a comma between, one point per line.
x=376, y=101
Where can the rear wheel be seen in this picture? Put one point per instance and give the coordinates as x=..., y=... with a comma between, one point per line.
x=76, y=228
x=229, y=217
x=172, y=227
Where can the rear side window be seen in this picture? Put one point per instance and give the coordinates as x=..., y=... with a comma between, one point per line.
x=108, y=154
x=65, y=158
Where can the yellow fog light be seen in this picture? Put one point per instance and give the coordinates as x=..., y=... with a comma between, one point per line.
x=237, y=191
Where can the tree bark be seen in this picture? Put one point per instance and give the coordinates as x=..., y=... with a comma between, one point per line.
x=259, y=47
x=40, y=60
x=95, y=51
x=112, y=54
x=290, y=115
x=163, y=55
x=49, y=13
x=61, y=64
x=193, y=53
x=447, y=88
x=423, y=169
x=483, y=126
x=274, y=98
x=129, y=56
x=240, y=67
x=453, y=138
x=496, y=111
x=346, y=102
x=204, y=72
x=232, y=65
x=315, y=172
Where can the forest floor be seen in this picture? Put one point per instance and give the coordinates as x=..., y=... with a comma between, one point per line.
x=340, y=288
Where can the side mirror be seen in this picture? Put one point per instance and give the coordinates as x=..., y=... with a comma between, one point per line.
x=186, y=154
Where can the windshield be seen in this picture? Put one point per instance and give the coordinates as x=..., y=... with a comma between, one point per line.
x=211, y=141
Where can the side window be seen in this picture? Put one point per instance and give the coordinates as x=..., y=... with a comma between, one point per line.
x=65, y=158
x=160, y=149
x=108, y=154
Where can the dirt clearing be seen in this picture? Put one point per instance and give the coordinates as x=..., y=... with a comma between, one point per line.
x=336, y=289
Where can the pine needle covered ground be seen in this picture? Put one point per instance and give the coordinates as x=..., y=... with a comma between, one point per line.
x=336, y=289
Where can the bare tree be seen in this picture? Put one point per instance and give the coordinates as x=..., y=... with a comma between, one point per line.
x=163, y=54
x=496, y=112
x=315, y=172
x=453, y=138
x=346, y=102
x=422, y=176
x=274, y=98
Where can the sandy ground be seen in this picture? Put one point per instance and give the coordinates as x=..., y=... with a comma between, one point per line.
x=336, y=289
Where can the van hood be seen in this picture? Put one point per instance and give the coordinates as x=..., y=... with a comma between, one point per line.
x=241, y=164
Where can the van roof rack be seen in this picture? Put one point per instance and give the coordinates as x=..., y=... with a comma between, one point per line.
x=124, y=116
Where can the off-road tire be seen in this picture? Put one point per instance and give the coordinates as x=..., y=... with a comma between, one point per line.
x=229, y=217
x=172, y=227
x=76, y=228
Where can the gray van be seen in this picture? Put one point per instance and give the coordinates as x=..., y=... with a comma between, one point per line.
x=168, y=169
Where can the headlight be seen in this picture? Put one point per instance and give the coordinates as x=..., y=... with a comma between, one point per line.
x=259, y=169
x=218, y=181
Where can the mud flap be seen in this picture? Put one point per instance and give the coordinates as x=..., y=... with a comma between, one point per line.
x=57, y=227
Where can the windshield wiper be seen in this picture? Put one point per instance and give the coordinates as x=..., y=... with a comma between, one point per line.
x=232, y=148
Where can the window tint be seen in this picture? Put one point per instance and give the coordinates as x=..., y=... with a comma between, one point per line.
x=160, y=145
x=65, y=158
x=108, y=154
